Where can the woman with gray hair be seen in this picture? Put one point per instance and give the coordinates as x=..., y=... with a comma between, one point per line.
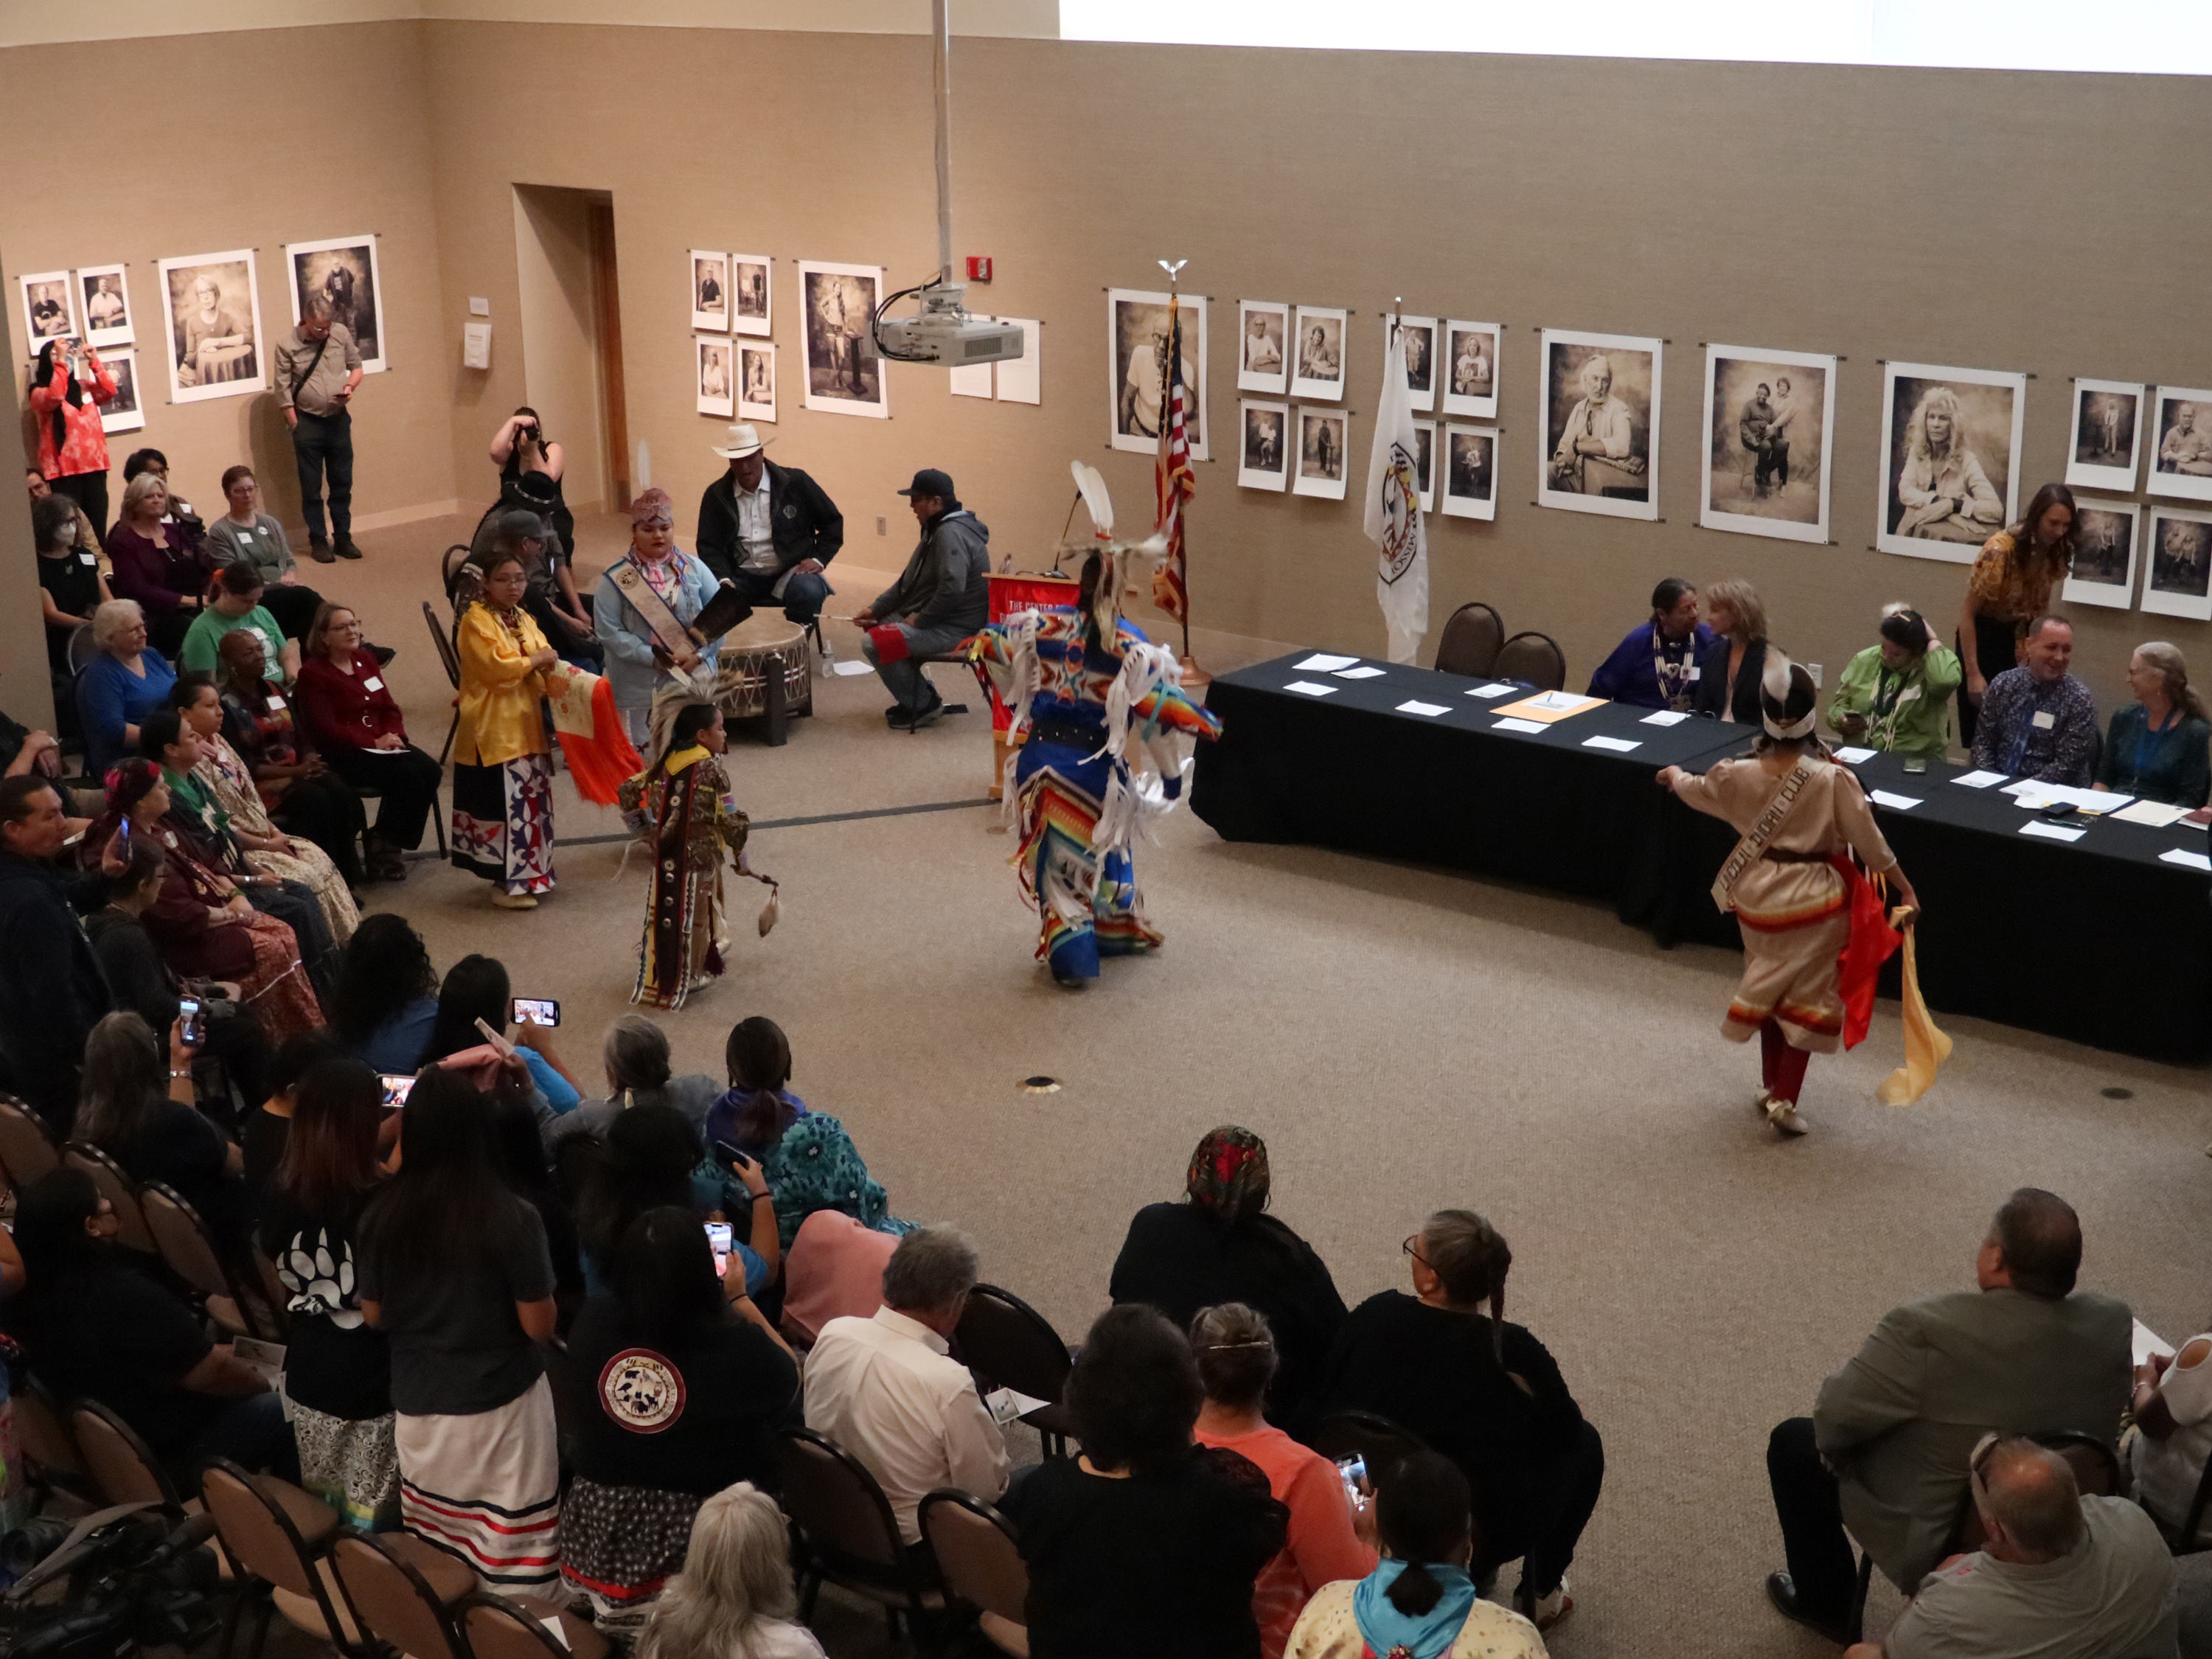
x=127, y=681
x=734, y=1599
x=636, y=1060
x=2159, y=747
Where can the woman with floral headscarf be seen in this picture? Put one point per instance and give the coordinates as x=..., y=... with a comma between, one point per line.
x=1220, y=1245
x=643, y=610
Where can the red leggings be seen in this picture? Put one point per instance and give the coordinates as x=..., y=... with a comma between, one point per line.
x=1781, y=1067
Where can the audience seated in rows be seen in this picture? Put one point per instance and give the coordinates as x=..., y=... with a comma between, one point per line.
x=758, y=1058
x=2172, y=1405
x=151, y=1126
x=70, y=586
x=834, y=1270
x=2036, y=721
x=232, y=602
x=384, y=1006
x=243, y=534
x=125, y=680
x=734, y=1596
x=269, y=760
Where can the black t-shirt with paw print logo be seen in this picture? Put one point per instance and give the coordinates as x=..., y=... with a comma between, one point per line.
x=334, y=1362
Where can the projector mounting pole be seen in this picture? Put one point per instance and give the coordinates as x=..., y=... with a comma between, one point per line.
x=941, y=41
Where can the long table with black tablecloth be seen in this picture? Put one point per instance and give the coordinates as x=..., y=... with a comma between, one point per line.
x=2098, y=940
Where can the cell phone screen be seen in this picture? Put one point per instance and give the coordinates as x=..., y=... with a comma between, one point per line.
x=188, y=1014
x=1352, y=1470
x=396, y=1090
x=535, y=1011
x=718, y=1238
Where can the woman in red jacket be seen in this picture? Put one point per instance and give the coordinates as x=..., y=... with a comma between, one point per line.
x=353, y=720
x=72, y=442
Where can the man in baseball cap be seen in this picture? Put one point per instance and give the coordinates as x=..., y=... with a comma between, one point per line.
x=769, y=530
x=940, y=598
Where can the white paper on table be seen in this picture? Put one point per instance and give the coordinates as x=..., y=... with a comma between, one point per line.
x=2187, y=859
x=2051, y=831
x=1492, y=691
x=1422, y=708
x=1365, y=671
x=1902, y=803
x=1619, y=745
x=2154, y=813
x=1664, y=717
x=2100, y=801
x=1978, y=780
x=844, y=666
x=2023, y=787
x=1566, y=700
x=1321, y=663
x=2034, y=797
x=1853, y=756
x=1508, y=724
x=1310, y=688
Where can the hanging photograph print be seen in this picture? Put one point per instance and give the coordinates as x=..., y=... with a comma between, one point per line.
x=1597, y=398
x=1021, y=379
x=750, y=278
x=211, y=314
x=843, y=375
x=715, y=379
x=2180, y=583
x=1263, y=329
x=1136, y=366
x=1950, y=449
x=2107, y=432
x=46, y=313
x=2104, y=569
x=1317, y=353
x=124, y=412
x=342, y=273
x=1266, y=462
x=755, y=381
x=1418, y=357
x=1470, y=368
x=710, y=290
x=1424, y=433
x=2182, y=464
x=1770, y=422
x=1321, y=453
x=1470, y=479
x=105, y=306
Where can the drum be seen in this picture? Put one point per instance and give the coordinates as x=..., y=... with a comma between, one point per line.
x=763, y=671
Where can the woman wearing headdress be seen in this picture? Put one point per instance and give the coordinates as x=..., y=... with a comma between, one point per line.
x=643, y=609
x=502, y=759
x=1812, y=935
x=1083, y=682
x=680, y=808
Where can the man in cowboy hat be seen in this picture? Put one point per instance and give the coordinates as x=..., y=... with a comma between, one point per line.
x=768, y=530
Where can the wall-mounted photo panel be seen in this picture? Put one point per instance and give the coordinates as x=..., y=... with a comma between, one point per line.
x=2180, y=582
x=717, y=381
x=2108, y=426
x=1950, y=450
x=1770, y=426
x=2104, y=537
x=1418, y=356
x=2182, y=463
x=1470, y=368
x=840, y=303
x=342, y=273
x=46, y=311
x=755, y=380
x=1597, y=401
x=211, y=313
x=1470, y=479
x=103, y=302
x=1263, y=363
x=1021, y=379
x=749, y=281
x=1137, y=368
x=124, y=412
x=1266, y=461
x=1424, y=435
x=710, y=290
x=1321, y=464
x=1317, y=353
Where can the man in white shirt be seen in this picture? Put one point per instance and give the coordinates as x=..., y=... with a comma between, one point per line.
x=888, y=1390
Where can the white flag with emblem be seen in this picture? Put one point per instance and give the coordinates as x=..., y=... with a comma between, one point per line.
x=1394, y=513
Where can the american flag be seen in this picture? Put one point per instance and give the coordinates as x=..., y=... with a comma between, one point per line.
x=1172, y=477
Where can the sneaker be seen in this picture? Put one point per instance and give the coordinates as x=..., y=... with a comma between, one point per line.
x=929, y=716
x=319, y=550
x=507, y=901
x=898, y=718
x=346, y=550
x=1784, y=1115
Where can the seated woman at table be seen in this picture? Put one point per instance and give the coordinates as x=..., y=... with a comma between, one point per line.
x=2159, y=747
x=1896, y=695
x=1656, y=665
x=1728, y=674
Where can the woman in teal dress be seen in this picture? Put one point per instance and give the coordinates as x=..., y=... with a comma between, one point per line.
x=2159, y=747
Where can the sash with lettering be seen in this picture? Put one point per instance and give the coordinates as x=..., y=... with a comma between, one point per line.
x=1779, y=806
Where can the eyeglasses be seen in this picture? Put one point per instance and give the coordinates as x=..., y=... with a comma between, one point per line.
x=1412, y=1239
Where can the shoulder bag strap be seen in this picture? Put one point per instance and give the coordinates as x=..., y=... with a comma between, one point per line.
x=313, y=362
x=1776, y=813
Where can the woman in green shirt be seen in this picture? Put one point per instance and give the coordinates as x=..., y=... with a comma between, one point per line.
x=1893, y=696
x=234, y=601
x=2158, y=745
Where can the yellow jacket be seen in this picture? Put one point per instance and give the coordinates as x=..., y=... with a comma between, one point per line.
x=500, y=719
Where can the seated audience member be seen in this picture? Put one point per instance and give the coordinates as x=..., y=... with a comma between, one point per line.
x=337, y=1368
x=1330, y=1537
x=2172, y=1405
x=1220, y=1245
x=636, y=1060
x=233, y=601
x=1484, y=1394
x=651, y=1158
x=2160, y=746
x=150, y=1124
x=887, y=1389
x=1895, y=695
x=1420, y=1601
x=815, y=1166
x=2059, y=1573
x=1147, y=1543
x=734, y=1596
x=179, y=512
x=70, y=586
x=295, y=786
x=35, y=482
x=384, y=1007
x=349, y=717
x=2023, y=1353
x=263, y=1133
x=759, y=1107
x=834, y=1270
x=155, y=565
x=551, y=597
x=245, y=535
x=125, y=681
x=673, y=1390
x=50, y=988
x=521, y=1154
x=941, y=598
x=95, y=1326
x=1728, y=673
x=2036, y=721
x=476, y=988
x=1656, y=665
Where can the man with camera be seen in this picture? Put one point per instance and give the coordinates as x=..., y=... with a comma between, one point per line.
x=769, y=530
x=318, y=369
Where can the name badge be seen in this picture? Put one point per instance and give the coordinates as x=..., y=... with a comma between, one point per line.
x=2044, y=720
x=86, y=558
x=276, y=702
x=372, y=683
x=1694, y=674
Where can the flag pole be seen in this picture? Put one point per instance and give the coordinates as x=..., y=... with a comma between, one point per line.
x=1173, y=367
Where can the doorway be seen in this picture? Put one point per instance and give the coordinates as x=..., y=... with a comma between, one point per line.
x=571, y=312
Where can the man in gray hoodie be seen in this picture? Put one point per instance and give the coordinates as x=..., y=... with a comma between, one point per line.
x=939, y=600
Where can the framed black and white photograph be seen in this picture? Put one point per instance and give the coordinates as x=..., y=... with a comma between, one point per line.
x=2180, y=579
x=755, y=381
x=1597, y=399
x=125, y=411
x=1265, y=462
x=710, y=290
x=1136, y=367
x=1317, y=352
x=750, y=278
x=2107, y=435
x=717, y=376
x=211, y=317
x=1770, y=426
x=48, y=314
x=1418, y=356
x=1320, y=464
x=1469, y=484
x=1950, y=449
x=342, y=272
x=1470, y=368
x=1263, y=362
x=104, y=304
x=2104, y=537
x=840, y=301
x=2181, y=464
x=1425, y=437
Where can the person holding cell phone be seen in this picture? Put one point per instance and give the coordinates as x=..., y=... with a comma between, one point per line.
x=68, y=383
x=152, y=1125
x=1896, y=693
x=475, y=995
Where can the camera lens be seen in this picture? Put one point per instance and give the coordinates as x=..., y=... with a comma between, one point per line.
x=32, y=1543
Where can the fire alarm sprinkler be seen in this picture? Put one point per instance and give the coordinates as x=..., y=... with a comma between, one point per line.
x=979, y=267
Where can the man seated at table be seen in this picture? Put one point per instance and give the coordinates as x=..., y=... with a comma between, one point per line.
x=1656, y=665
x=2036, y=721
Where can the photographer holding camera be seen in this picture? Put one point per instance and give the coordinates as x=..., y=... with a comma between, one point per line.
x=519, y=448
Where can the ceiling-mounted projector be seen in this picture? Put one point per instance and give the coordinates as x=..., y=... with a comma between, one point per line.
x=945, y=333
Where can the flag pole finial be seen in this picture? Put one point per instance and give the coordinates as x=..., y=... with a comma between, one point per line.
x=1174, y=269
